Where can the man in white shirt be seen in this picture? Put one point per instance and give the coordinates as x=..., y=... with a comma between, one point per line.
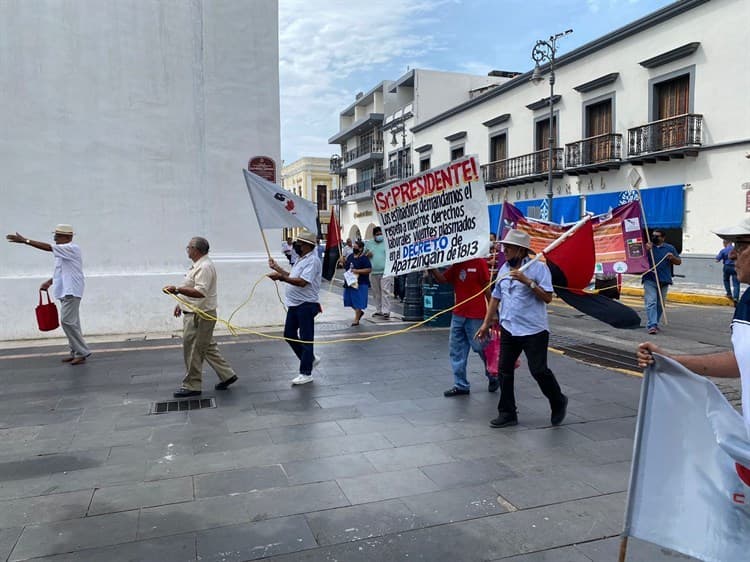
x=523, y=298
x=198, y=343
x=67, y=285
x=302, y=301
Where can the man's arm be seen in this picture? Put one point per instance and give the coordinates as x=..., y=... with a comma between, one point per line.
x=280, y=274
x=18, y=239
x=721, y=365
x=187, y=291
x=489, y=319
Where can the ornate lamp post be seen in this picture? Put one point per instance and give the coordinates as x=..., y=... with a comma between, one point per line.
x=546, y=51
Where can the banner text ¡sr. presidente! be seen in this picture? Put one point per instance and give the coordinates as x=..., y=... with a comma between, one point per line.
x=454, y=175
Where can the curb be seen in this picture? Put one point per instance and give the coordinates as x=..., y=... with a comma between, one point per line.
x=687, y=298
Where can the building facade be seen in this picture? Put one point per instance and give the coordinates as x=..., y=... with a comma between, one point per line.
x=375, y=136
x=658, y=105
x=132, y=121
x=310, y=178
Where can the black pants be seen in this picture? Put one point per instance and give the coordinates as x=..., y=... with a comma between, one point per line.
x=535, y=349
x=300, y=325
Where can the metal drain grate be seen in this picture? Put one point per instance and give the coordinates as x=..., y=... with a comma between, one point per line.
x=182, y=405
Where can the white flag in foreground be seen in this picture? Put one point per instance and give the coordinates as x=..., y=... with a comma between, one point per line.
x=689, y=488
x=277, y=208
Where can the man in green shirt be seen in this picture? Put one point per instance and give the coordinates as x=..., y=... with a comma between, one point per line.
x=380, y=285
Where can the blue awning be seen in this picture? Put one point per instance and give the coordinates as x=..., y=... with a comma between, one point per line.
x=664, y=206
x=564, y=210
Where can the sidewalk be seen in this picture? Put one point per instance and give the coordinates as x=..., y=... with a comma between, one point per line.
x=682, y=292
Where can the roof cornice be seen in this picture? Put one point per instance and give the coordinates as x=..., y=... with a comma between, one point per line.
x=639, y=25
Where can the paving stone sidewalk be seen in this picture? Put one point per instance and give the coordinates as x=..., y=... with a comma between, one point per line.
x=370, y=462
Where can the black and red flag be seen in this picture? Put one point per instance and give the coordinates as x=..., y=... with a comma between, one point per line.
x=333, y=249
x=572, y=266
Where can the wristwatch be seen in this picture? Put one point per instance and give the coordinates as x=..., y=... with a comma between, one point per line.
x=533, y=285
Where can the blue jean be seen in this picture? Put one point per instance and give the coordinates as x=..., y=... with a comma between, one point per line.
x=461, y=340
x=731, y=273
x=300, y=325
x=653, y=303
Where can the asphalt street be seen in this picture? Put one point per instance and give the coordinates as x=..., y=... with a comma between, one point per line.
x=370, y=462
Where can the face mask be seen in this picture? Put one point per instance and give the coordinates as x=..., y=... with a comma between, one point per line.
x=378, y=238
x=657, y=239
x=514, y=262
x=356, y=250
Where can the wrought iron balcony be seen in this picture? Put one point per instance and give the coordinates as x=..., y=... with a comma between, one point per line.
x=398, y=171
x=395, y=171
x=358, y=189
x=362, y=152
x=523, y=169
x=334, y=197
x=599, y=153
x=334, y=165
x=675, y=137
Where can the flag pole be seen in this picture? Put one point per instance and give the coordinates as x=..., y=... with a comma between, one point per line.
x=257, y=218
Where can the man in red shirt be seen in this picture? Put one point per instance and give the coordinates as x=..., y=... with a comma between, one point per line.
x=471, y=284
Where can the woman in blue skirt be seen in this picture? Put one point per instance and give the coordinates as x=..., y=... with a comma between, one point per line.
x=359, y=264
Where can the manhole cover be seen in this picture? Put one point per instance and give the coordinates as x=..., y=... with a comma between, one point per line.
x=182, y=405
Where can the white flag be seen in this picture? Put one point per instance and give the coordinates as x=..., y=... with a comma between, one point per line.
x=277, y=208
x=690, y=482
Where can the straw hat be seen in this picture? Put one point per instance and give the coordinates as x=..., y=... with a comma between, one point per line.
x=307, y=237
x=517, y=238
x=734, y=233
x=65, y=229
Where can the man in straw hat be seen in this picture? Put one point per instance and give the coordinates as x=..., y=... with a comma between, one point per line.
x=523, y=297
x=302, y=301
x=67, y=285
x=198, y=343
x=726, y=364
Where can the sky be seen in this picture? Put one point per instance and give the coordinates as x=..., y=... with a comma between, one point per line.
x=331, y=49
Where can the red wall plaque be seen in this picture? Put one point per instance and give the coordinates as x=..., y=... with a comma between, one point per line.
x=263, y=166
x=747, y=202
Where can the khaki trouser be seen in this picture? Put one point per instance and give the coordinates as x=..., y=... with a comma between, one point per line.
x=198, y=344
x=382, y=290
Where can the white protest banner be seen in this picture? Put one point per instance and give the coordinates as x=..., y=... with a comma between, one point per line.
x=435, y=218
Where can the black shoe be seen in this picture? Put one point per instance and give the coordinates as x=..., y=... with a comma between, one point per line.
x=494, y=384
x=223, y=385
x=559, y=411
x=186, y=392
x=455, y=391
x=505, y=419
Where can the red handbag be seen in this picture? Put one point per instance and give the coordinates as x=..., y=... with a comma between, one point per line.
x=46, y=313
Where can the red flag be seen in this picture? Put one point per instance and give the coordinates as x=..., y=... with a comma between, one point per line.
x=334, y=238
x=333, y=249
x=572, y=266
x=575, y=259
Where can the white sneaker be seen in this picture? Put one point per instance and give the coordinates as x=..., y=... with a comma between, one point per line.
x=302, y=379
x=316, y=360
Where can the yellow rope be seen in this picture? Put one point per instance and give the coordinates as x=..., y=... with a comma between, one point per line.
x=235, y=330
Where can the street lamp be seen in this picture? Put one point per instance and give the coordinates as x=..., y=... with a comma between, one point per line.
x=546, y=51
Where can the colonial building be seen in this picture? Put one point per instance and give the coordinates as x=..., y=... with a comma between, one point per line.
x=375, y=138
x=311, y=179
x=132, y=121
x=659, y=106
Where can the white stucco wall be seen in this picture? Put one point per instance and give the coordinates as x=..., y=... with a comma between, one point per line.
x=132, y=121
